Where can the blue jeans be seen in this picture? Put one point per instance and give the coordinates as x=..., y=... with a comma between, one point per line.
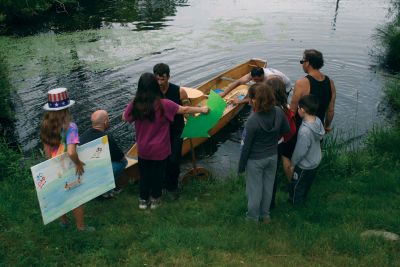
x=118, y=168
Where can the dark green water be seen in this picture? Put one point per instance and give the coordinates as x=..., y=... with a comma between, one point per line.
x=100, y=53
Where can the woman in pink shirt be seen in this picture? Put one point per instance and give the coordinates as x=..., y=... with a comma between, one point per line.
x=152, y=116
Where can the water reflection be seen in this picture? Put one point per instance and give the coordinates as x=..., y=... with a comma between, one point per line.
x=335, y=16
x=137, y=15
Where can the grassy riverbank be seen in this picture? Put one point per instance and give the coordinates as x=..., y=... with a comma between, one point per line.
x=355, y=191
x=388, y=37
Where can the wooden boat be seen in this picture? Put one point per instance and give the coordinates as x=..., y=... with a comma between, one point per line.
x=219, y=82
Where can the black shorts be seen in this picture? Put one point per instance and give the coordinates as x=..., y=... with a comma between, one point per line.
x=286, y=149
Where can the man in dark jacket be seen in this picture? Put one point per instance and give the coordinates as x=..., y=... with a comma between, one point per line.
x=178, y=95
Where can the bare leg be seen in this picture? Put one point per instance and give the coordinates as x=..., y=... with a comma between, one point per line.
x=286, y=167
x=78, y=215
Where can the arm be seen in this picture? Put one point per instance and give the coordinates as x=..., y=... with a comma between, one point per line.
x=184, y=99
x=245, y=79
x=71, y=150
x=302, y=145
x=247, y=145
x=331, y=109
x=47, y=151
x=301, y=88
x=236, y=101
x=126, y=114
x=193, y=110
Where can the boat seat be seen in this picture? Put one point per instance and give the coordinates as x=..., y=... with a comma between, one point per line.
x=227, y=79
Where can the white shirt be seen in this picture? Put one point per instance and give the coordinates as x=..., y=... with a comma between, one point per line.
x=271, y=71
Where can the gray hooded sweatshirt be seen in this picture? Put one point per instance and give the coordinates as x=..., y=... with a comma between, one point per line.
x=262, y=133
x=307, y=153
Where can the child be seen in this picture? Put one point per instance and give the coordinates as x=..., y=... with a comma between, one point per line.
x=152, y=116
x=58, y=135
x=259, y=152
x=307, y=153
x=285, y=149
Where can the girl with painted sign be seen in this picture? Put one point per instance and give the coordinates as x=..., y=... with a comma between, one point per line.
x=58, y=135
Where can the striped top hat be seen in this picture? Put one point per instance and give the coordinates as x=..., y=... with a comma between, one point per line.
x=58, y=99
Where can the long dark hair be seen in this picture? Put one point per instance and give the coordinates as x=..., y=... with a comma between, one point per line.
x=279, y=88
x=52, y=124
x=147, y=98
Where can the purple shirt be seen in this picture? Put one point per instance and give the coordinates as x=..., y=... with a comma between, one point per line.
x=152, y=137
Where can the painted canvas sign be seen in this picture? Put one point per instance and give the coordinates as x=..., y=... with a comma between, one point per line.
x=60, y=189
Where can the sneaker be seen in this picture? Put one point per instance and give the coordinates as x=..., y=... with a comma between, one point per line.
x=154, y=203
x=142, y=204
x=108, y=195
x=116, y=191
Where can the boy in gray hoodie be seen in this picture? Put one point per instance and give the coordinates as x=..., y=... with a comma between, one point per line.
x=307, y=153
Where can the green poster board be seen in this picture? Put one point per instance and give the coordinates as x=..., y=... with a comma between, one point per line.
x=200, y=125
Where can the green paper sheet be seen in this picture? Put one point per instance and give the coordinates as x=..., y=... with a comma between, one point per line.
x=200, y=125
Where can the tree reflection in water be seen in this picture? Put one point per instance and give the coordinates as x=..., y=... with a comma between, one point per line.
x=138, y=15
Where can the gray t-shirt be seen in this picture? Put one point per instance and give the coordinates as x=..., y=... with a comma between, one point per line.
x=262, y=133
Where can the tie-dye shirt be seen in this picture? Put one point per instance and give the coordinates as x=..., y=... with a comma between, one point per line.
x=72, y=137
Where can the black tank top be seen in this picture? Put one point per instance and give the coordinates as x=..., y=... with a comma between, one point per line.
x=322, y=90
x=173, y=94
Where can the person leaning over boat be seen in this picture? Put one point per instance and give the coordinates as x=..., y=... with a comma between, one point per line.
x=100, y=122
x=152, y=115
x=58, y=135
x=179, y=96
x=257, y=75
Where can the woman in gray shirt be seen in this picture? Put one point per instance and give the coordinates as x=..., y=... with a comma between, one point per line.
x=260, y=149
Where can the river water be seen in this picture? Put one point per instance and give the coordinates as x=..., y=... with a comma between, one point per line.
x=100, y=57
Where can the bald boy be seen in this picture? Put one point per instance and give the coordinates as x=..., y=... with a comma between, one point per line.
x=100, y=123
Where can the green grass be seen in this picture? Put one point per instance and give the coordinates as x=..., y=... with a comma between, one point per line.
x=354, y=192
x=6, y=114
x=392, y=92
x=388, y=36
x=357, y=189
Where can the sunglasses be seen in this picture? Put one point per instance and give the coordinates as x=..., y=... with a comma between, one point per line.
x=302, y=61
